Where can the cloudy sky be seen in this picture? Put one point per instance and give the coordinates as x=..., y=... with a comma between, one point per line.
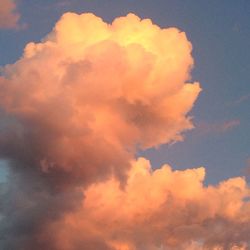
x=100, y=108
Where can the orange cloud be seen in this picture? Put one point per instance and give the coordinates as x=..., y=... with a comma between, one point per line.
x=76, y=107
x=88, y=97
x=160, y=209
x=8, y=15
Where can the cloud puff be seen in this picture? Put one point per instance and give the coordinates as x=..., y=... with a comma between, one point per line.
x=160, y=209
x=8, y=15
x=74, y=110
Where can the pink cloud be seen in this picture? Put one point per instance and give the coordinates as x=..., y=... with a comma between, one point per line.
x=79, y=105
x=162, y=207
x=8, y=14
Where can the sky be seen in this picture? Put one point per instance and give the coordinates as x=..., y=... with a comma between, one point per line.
x=191, y=112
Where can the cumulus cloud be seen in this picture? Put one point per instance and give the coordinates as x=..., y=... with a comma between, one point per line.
x=74, y=110
x=84, y=99
x=160, y=209
x=8, y=14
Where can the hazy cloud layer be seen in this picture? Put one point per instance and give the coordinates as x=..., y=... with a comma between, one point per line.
x=75, y=108
x=8, y=14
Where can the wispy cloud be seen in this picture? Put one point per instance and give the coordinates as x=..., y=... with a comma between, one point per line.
x=241, y=99
x=9, y=16
x=238, y=101
x=217, y=127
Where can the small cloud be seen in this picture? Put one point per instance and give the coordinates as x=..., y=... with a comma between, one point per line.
x=238, y=101
x=63, y=3
x=247, y=168
x=204, y=128
x=228, y=125
x=9, y=16
x=241, y=99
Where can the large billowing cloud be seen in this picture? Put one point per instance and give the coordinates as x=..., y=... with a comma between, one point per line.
x=8, y=15
x=160, y=209
x=74, y=110
x=91, y=93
